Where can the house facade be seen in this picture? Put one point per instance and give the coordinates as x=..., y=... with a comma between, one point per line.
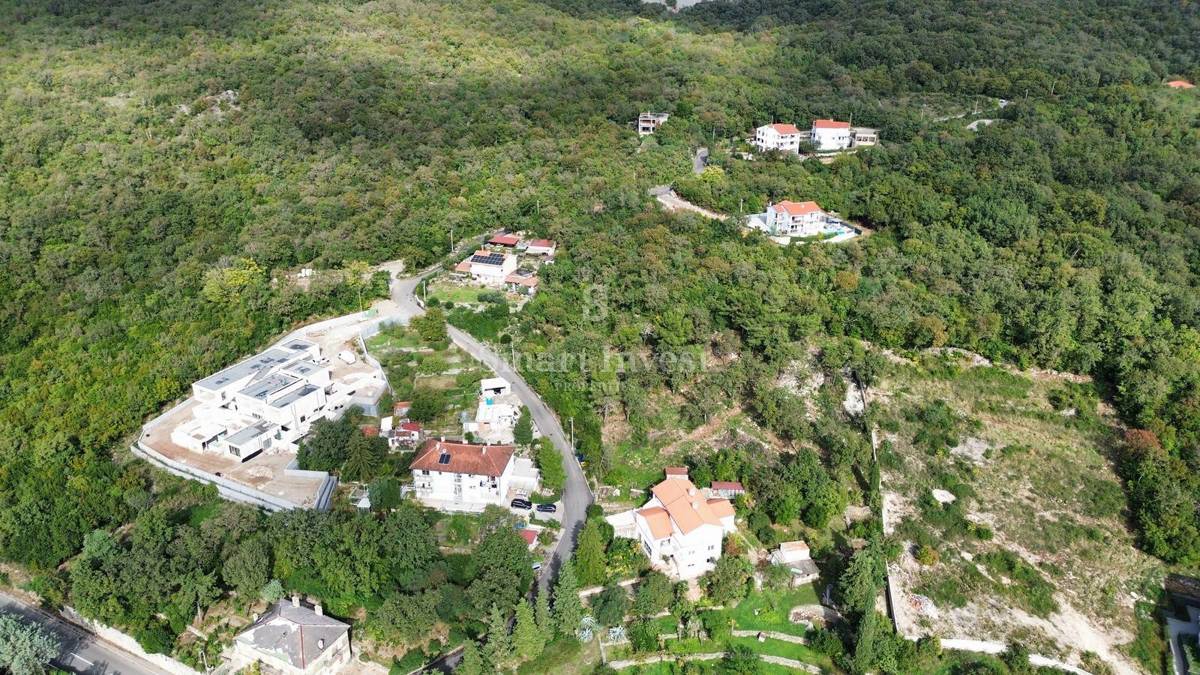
x=490, y=268
x=292, y=639
x=649, y=122
x=453, y=476
x=680, y=529
x=794, y=219
x=832, y=135
x=780, y=137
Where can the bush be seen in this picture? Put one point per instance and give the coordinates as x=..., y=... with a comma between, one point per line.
x=155, y=638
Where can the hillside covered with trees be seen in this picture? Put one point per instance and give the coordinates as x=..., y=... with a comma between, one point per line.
x=164, y=165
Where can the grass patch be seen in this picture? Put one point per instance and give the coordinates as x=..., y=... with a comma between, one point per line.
x=1028, y=587
x=769, y=611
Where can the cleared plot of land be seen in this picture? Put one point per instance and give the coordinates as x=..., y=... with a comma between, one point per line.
x=1001, y=485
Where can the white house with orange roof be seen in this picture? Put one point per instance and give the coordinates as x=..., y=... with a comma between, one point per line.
x=680, y=529
x=830, y=135
x=778, y=136
x=788, y=219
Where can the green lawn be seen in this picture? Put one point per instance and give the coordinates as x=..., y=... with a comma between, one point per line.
x=452, y=293
x=772, y=616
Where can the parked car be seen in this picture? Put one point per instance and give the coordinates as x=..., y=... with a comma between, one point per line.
x=519, y=503
x=547, y=508
x=537, y=566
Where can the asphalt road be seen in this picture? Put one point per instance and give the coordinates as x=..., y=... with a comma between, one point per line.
x=81, y=652
x=577, y=495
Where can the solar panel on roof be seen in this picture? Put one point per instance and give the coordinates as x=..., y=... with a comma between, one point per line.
x=444, y=459
x=489, y=259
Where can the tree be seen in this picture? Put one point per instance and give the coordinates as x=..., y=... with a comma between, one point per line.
x=542, y=615
x=500, y=570
x=25, y=648
x=862, y=579
x=523, y=431
x=427, y=404
x=246, y=569
x=385, y=494
x=498, y=650
x=472, y=661
x=568, y=610
x=528, y=638
x=609, y=606
x=404, y=619
x=741, y=660
x=431, y=326
x=325, y=447
x=653, y=595
x=590, y=559
x=550, y=464
x=728, y=581
x=364, y=457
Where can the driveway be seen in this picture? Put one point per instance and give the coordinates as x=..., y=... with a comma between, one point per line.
x=81, y=652
x=577, y=495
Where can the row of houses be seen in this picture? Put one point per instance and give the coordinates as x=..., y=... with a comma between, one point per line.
x=824, y=135
x=499, y=265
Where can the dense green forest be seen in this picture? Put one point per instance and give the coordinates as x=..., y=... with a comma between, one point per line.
x=163, y=165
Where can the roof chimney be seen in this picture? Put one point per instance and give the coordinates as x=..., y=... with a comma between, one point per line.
x=319, y=609
x=295, y=600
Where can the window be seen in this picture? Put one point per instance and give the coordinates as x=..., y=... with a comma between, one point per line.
x=235, y=451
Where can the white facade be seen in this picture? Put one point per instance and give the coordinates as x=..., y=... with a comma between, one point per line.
x=263, y=404
x=488, y=267
x=830, y=135
x=780, y=137
x=649, y=122
x=795, y=219
x=681, y=531
x=453, y=476
x=496, y=414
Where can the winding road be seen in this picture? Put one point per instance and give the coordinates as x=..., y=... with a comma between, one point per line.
x=577, y=494
x=81, y=652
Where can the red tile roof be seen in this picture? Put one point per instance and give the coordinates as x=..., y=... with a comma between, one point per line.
x=676, y=471
x=411, y=426
x=727, y=485
x=830, y=124
x=529, y=281
x=464, y=266
x=505, y=240
x=466, y=458
x=1180, y=84
x=370, y=431
x=785, y=128
x=658, y=520
x=542, y=243
x=797, y=208
x=530, y=536
x=687, y=509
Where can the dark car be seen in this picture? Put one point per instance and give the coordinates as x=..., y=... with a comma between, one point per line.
x=519, y=503
x=547, y=508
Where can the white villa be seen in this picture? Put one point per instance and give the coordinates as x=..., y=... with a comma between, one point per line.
x=649, y=122
x=453, y=476
x=292, y=639
x=826, y=135
x=490, y=268
x=781, y=137
x=679, y=528
x=788, y=219
x=263, y=404
x=497, y=412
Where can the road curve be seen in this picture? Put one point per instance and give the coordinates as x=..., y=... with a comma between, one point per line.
x=577, y=494
x=81, y=651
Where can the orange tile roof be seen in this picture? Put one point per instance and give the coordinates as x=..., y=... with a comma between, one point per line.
x=530, y=280
x=466, y=458
x=688, y=510
x=785, y=128
x=505, y=240
x=1180, y=84
x=542, y=243
x=721, y=507
x=797, y=208
x=658, y=521
x=830, y=124
x=464, y=266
